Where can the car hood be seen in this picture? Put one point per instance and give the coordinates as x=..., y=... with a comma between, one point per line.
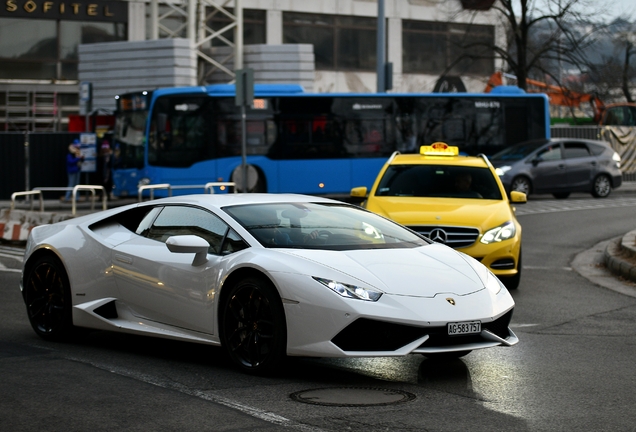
x=483, y=214
x=419, y=272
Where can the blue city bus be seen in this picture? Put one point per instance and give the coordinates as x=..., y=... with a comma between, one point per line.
x=297, y=142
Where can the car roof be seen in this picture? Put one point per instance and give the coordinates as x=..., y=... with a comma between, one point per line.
x=418, y=159
x=222, y=200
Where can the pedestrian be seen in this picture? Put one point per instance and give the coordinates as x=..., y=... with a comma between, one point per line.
x=105, y=167
x=74, y=160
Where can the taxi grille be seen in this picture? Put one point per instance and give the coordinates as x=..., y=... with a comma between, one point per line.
x=455, y=237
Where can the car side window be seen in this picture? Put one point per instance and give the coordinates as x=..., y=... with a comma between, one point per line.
x=574, y=150
x=552, y=152
x=183, y=220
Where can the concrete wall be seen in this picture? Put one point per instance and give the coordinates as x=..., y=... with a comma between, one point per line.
x=119, y=67
x=272, y=64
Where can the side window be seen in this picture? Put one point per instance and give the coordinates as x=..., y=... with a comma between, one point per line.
x=233, y=243
x=146, y=222
x=550, y=153
x=575, y=150
x=179, y=220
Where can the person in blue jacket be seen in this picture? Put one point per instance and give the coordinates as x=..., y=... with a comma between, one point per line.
x=74, y=160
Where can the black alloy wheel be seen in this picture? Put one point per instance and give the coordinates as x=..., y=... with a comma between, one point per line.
x=48, y=299
x=253, y=326
x=602, y=186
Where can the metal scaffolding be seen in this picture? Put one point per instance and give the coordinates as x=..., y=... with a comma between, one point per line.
x=190, y=19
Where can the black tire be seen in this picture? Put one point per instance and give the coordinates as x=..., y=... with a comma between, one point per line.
x=447, y=355
x=47, y=295
x=561, y=195
x=512, y=282
x=255, y=179
x=521, y=184
x=253, y=330
x=602, y=186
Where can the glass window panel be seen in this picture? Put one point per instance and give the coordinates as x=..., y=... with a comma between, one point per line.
x=74, y=33
x=354, y=49
x=28, y=39
x=424, y=53
x=322, y=38
x=27, y=70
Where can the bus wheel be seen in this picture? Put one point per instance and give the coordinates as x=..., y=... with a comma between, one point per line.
x=255, y=179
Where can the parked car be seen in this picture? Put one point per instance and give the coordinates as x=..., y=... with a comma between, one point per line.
x=559, y=166
x=452, y=199
x=263, y=276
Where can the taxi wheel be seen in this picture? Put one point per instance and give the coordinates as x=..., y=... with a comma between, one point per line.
x=512, y=282
x=521, y=184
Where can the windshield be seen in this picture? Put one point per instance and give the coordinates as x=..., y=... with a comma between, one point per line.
x=130, y=128
x=321, y=226
x=518, y=151
x=445, y=181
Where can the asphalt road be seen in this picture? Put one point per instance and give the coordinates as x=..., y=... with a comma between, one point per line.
x=572, y=370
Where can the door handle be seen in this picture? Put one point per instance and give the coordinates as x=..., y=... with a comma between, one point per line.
x=123, y=258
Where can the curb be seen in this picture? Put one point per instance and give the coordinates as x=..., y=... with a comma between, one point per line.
x=620, y=256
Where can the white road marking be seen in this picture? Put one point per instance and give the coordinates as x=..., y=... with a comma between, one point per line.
x=209, y=396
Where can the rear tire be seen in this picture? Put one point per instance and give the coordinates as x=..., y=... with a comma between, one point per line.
x=602, y=186
x=521, y=184
x=47, y=295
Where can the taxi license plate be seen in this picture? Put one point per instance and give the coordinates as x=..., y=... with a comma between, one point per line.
x=463, y=328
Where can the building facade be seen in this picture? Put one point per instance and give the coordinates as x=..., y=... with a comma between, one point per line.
x=433, y=45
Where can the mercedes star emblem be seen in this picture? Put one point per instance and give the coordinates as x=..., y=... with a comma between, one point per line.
x=438, y=235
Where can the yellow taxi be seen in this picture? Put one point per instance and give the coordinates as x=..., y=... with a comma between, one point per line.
x=452, y=199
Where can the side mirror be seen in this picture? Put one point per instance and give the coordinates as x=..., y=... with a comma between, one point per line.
x=536, y=161
x=359, y=192
x=518, y=197
x=190, y=244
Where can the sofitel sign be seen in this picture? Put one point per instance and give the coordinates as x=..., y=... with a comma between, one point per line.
x=82, y=10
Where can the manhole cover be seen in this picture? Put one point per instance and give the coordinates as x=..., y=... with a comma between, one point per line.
x=352, y=396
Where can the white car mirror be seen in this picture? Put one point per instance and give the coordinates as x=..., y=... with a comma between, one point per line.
x=190, y=244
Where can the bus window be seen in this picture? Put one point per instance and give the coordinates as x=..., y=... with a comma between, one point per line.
x=179, y=132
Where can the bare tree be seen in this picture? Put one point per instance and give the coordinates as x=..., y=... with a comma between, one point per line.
x=545, y=36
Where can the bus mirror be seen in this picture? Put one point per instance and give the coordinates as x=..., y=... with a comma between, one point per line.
x=359, y=192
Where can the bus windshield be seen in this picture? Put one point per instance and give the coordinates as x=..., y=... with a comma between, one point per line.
x=130, y=129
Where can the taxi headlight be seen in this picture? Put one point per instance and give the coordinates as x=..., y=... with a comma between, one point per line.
x=502, y=170
x=350, y=291
x=503, y=232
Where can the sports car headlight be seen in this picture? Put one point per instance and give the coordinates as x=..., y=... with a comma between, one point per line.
x=504, y=231
x=493, y=283
x=350, y=291
x=502, y=170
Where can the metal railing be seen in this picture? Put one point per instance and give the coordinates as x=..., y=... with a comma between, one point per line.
x=39, y=191
x=207, y=188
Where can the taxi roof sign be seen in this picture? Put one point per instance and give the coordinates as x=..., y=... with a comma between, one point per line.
x=439, y=149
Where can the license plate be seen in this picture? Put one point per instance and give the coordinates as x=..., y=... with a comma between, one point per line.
x=463, y=328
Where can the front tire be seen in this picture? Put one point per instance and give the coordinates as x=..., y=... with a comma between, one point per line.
x=47, y=295
x=602, y=186
x=521, y=184
x=253, y=330
x=512, y=282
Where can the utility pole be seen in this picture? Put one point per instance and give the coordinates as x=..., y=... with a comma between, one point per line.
x=381, y=49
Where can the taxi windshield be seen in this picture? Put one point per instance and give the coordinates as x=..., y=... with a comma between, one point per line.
x=444, y=181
